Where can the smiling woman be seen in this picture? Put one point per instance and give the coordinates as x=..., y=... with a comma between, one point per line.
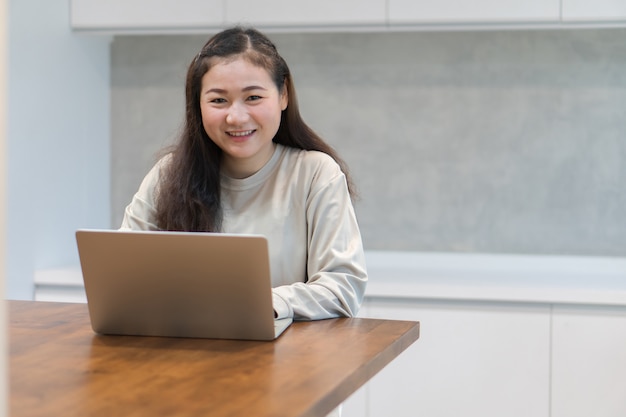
x=247, y=163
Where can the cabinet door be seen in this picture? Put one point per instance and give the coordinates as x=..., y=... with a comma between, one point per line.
x=145, y=14
x=597, y=10
x=305, y=12
x=472, y=11
x=589, y=362
x=472, y=359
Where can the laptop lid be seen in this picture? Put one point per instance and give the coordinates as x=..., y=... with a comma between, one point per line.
x=178, y=284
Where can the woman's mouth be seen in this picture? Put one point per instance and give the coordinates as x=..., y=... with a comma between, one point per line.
x=241, y=133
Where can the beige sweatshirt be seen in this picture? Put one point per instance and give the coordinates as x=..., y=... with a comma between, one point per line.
x=299, y=200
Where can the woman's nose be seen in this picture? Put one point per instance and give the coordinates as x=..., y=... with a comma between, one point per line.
x=236, y=114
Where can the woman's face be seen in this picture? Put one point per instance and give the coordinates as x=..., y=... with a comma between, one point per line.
x=241, y=110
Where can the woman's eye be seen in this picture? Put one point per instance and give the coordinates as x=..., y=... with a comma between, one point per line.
x=253, y=98
x=218, y=100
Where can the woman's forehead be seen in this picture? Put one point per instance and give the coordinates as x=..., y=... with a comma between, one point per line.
x=236, y=74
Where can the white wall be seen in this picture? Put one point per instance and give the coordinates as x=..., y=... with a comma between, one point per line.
x=58, y=139
x=3, y=54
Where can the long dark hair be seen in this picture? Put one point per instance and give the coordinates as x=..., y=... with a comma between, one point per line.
x=188, y=197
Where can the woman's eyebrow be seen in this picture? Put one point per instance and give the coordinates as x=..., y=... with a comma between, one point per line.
x=215, y=90
x=253, y=87
x=222, y=91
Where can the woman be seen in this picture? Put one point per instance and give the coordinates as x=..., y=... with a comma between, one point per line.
x=247, y=163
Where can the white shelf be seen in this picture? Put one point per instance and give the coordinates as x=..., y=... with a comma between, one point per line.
x=497, y=278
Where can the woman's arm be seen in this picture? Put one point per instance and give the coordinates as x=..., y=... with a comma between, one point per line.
x=336, y=270
x=140, y=212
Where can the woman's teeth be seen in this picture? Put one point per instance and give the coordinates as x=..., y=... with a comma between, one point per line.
x=244, y=133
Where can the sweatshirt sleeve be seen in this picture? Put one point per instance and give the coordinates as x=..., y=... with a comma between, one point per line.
x=140, y=213
x=336, y=271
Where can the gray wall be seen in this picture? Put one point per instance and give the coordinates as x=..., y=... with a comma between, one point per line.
x=491, y=142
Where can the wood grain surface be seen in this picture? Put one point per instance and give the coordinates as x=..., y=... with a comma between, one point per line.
x=60, y=367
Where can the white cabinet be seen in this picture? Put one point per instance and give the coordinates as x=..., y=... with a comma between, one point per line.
x=145, y=15
x=500, y=336
x=496, y=359
x=167, y=16
x=589, y=361
x=500, y=359
x=474, y=359
x=186, y=15
x=476, y=11
x=306, y=12
x=593, y=11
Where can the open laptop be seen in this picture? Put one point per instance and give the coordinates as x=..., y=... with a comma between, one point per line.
x=178, y=284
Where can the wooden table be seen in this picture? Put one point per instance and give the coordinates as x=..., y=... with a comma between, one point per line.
x=59, y=367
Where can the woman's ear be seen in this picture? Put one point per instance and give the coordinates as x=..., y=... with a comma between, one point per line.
x=284, y=97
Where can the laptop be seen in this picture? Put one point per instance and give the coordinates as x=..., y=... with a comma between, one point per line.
x=178, y=284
